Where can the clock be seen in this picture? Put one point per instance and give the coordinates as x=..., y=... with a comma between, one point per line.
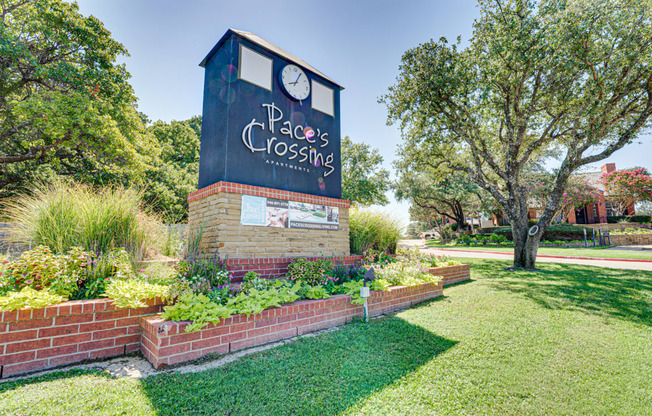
x=294, y=82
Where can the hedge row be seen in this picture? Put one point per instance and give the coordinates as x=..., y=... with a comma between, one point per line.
x=554, y=232
x=614, y=219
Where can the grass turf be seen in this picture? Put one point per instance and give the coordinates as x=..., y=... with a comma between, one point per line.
x=565, y=340
x=558, y=251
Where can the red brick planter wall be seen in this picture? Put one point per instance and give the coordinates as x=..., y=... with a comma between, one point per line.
x=70, y=332
x=165, y=342
x=452, y=274
x=276, y=268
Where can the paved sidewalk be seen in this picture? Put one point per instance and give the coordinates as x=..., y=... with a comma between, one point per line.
x=630, y=265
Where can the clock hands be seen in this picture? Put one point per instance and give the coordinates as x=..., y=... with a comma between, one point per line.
x=297, y=80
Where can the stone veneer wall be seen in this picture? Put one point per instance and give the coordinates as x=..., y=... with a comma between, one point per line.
x=630, y=239
x=217, y=209
x=616, y=226
x=165, y=343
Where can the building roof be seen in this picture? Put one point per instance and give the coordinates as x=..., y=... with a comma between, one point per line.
x=268, y=46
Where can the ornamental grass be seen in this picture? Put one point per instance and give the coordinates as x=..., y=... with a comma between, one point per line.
x=370, y=230
x=68, y=214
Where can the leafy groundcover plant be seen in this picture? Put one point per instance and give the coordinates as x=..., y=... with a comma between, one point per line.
x=199, y=289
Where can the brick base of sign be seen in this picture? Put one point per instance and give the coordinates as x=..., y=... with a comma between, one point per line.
x=70, y=332
x=452, y=274
x=215, y=210
x=275, y=268
x=165, y=343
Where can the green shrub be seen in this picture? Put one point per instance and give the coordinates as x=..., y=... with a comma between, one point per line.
x=131, y=293
x=554, y=232
x=370, y=230
x=252, y=280
x=314, y=292
x=67, y=215
x=256, y=301
x=310, y=272
x=29, y=298
x=204, y=271
x=614, y=219
x=196, y=308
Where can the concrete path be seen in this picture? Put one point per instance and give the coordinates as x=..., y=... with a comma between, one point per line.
x=509, y=256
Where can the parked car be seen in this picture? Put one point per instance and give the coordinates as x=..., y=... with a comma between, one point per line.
x=429, y=235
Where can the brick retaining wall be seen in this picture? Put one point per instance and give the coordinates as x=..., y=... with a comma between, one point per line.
x=70, y=332
x=452, y=274
x=165, y=343
x=76, y=331
x=630, y=239
x=276, y=268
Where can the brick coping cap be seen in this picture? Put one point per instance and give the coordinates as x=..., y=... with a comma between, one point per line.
x=72, y=307
x=153, y=322
x=273, y=260
x=237, y=188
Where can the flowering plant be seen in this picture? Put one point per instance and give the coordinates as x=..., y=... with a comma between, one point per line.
x=627, y=186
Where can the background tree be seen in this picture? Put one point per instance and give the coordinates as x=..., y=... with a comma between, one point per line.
x=364, y=181
x=570, y=75
x=65, y=104
x=578, y=193
x=432, y=197
x=626, y=187
x=176, y=172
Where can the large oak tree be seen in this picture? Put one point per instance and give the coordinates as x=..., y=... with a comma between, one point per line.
x=66, y=106
x=574, y=76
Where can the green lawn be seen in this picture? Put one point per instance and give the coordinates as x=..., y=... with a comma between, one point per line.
x=567, y=340
x=557, y=251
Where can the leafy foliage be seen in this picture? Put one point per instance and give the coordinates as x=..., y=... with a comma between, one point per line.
x=131, y=293
x=255, y=301
x=435, y=196
x=364, y=181
x=578, y=193
x=29, y=298
x=369, y=230
x=537, y=80
x=310, y=272
x=627, y=186
x=175, y=172
x=196, y=308
x=66, y=106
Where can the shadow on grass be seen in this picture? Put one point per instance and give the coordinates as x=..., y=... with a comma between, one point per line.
x=624, y=294
x=323, y=375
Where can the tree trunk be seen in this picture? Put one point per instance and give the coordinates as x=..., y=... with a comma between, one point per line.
x=526, y=243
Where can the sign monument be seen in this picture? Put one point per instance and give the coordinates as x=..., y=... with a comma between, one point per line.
x=269, y=168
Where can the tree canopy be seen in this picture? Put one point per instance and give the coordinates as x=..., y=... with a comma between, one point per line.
x=176, y=172
x=569, y=76
x=66, y=106
x=627, y=186
x=364, y=180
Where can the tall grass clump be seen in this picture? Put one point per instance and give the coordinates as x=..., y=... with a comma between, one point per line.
x=371, y=230
x=67, y=214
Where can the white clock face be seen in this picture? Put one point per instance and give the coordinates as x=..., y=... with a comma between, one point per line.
x=295, y=82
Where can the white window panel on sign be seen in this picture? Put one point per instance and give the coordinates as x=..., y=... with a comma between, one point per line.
x=322, y=98
x=255, y=68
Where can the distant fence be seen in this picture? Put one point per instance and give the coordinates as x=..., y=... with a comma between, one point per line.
x=179, y=231
x=6, y=245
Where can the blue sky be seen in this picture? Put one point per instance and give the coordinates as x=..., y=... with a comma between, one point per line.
x=358, y=44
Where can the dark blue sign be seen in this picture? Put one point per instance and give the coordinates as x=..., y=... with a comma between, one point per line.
x=269, y=119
